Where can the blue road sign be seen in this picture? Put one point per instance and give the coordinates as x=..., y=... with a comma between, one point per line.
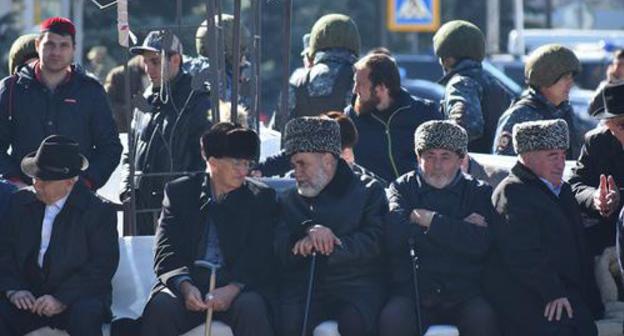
x=413, y=15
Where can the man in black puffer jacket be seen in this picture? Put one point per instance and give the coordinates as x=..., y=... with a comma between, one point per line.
x=166, y=131
x=53, y=96
x=386, y=117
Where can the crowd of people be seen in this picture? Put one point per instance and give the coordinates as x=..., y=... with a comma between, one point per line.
x=390, y=227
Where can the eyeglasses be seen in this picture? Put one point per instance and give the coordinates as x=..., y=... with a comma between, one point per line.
x=240, y=163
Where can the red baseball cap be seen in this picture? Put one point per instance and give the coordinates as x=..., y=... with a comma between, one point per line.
x=58, y=25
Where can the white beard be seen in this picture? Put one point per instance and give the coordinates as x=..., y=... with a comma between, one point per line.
x=314, y=187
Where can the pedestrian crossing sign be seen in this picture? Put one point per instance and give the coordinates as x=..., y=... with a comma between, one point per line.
x=413, y=15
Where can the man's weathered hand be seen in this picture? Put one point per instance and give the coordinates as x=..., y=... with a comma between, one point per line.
x=607, y=196
x=303, y=247
x=48, y=305
x=192, y=297
x=422, y=217
x=220, y=299
x=555, y=308
x=323, y=239
x=476, y=219
x=22, y=299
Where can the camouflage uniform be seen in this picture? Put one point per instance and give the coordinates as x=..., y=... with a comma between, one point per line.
x=328, y=84
x=195, y=65
x=544, y=67
x=533, y=106
x=475, y=100
x=200, y=63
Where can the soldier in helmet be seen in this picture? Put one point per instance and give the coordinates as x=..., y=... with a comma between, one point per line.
x=327, y=84
x=549, y=72
x=244, y=66
x=22, y=51
x=474, y=99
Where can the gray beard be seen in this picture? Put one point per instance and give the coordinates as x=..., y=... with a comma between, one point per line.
x=313, y=188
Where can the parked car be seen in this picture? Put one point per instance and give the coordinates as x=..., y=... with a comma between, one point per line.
x=424, y=89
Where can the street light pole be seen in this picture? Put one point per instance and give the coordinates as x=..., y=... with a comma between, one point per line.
x=519, y=21
x=493, y=26
x=78, y=11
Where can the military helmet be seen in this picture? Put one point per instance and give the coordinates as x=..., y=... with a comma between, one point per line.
x=334, y=31
x=227, y=21
x=459, y=39
x=546, y=64
x=22, y=49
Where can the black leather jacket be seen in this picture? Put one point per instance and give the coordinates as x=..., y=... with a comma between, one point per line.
x=166, y=139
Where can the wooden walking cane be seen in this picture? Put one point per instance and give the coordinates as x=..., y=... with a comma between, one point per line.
x=213, y=281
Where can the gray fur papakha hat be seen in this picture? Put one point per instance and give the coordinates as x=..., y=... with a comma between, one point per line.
x=312, y=134
x=541, y=135
x=441, y=134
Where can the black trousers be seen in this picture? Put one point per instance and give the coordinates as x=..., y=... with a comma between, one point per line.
x=166, y=315
x=84, y=317
x=355, y=306
x=473, y=317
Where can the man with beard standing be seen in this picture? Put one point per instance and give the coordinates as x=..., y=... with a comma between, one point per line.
x=386, y=117
x=54, y=96
x=337, y=216
x=540, y=279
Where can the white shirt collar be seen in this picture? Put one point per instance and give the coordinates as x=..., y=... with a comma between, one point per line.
x=59, y=204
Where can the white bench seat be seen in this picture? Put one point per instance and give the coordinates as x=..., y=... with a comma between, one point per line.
x=135, y=277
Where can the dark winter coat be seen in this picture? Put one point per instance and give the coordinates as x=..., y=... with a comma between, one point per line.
x=602, y=153
x=540, y=255
x=354, y=208
x=82, y=256
x=245, y=237
x=451, y=252
x=386, y=138
x=475, y=100
x=166, y=140
x=6, y=191
x=78, y=108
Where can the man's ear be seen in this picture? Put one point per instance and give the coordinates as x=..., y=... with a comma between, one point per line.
x=176, y=60
x=381, y=90
x=210, y=162
x=327, y=159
